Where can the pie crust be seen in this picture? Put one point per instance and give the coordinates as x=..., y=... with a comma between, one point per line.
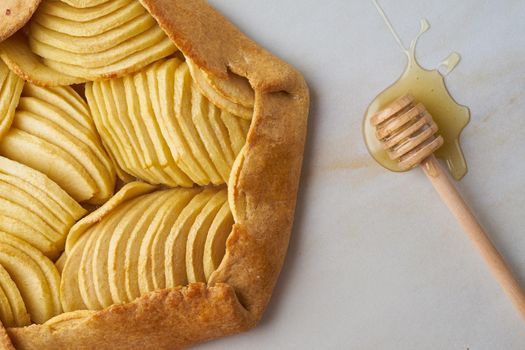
x=262, y=191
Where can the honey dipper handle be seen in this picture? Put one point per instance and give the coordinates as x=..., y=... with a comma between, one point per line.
x=477, y=235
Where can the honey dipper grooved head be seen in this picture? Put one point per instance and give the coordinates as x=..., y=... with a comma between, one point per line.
x=407, y=131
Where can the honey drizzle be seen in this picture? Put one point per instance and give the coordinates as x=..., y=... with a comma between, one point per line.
x=428, y=87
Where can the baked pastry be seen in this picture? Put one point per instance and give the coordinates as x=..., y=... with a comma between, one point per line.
x=181, y=139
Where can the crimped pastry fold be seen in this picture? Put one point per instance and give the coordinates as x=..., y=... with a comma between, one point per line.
x=262, y=189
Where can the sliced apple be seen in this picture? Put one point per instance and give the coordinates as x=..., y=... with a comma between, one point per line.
x=132, y=63
x=164, y=93
x=31, y=282
x=151, y=257
x=98, y=109
x=141, y=124
x=93, y=27
x=85, y=269
x=64, y=9
x=72, y=113
x=10, y=89
x=89, y=44
x=54, y=134
x=122, y=264
x=80, y=4
x=16, y=303
x=215, y=245
x=245, y=127
x=67, y=319
x=157, y=175
x=177, y=175
x=127, y=132
x=4, y=73
x=221, y=131
x=63, y=98
x=115, y=122
x=141, y=158
x=62, y=218
x=42, y=182
x=137, y=272
x=99, y=59
x=197, y=237
x=113, y=237
x=21, y=230
x=20, y=213
x=163, y=165
x=70, y=296
x=124, y=177
x=141, y=256
x=183, y=109
x=61, y=262
x=236, y=131
x=17, y=55
x=46, y=266
x=72, y=118
x=6, y=314
x=127, y=273
x=150, y=105
x=51, y=160
x=127, y=192
x=175, y=243
x=123, y=218
x=114, y=128
x=93, y=280
x=200, y=116
x=23, y=199
x=161, y=149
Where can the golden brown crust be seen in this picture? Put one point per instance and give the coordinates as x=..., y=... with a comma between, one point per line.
x=165, y=319
x=265, y=177
x=14, y=14
x=262, y=194
x=5, y=342
x=30, y=68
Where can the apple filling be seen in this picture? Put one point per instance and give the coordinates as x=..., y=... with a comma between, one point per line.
x=35, y=277
x=10, y=89
x=147, y=241
x=178, y=137
x=109, y=39
x=34, y=208
x=53, y=132
x=112, y=188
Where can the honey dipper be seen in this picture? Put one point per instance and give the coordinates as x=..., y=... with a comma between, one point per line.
x=407, y=133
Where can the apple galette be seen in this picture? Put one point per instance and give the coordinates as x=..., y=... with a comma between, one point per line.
x=150, y=157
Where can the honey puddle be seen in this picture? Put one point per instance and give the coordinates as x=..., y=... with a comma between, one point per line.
x=428, y=87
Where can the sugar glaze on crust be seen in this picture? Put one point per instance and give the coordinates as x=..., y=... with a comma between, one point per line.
x=262, y=193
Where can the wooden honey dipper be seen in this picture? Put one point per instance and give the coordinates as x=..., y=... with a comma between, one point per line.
x=407, y=133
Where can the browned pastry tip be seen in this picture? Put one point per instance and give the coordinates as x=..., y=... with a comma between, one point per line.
x=5, y=342
x=14, y=14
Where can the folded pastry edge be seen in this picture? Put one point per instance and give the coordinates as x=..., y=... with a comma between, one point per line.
x=262, y=188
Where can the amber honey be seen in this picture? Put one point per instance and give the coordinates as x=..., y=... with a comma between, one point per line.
x=428, y=87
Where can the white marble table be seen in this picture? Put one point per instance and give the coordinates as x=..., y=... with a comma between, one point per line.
x=376, y=261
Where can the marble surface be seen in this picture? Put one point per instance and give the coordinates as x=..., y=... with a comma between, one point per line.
x=376, y=261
